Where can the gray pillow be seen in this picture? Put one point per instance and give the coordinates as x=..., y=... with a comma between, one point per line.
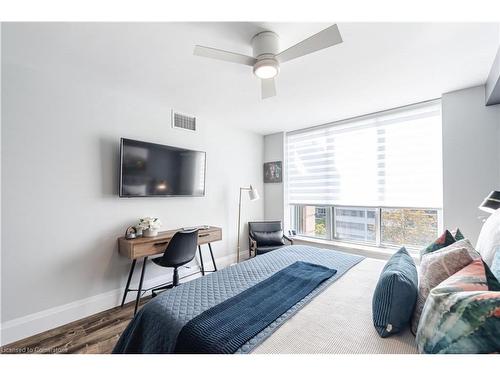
x=436, y=267
x=466, y=244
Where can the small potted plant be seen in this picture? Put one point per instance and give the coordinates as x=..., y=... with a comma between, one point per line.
x=149, y=226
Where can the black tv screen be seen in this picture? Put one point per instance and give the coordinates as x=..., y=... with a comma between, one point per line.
x=152, y=170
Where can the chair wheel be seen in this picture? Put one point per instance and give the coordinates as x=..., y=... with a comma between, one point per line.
x=155, y=292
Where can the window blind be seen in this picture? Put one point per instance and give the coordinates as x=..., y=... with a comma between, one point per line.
x=389, y=159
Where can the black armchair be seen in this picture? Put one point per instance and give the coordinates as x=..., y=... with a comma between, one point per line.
x=266, y=236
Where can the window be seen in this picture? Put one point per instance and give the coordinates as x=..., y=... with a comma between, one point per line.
x=312, y=221
x=387, y=227
x=356, y=224
x=375, y=179
x=410, y=227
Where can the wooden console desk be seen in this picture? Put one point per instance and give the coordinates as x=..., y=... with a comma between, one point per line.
x=144, y=247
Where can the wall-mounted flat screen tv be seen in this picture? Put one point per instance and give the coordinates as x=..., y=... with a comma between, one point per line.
x=153, y=170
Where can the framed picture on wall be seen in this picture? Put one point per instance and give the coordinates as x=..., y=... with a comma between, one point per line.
x=273, y=172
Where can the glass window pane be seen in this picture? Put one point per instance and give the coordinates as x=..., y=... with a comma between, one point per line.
x=408, y=226
x=355, y=224
x=411, y=227
x=313, y=221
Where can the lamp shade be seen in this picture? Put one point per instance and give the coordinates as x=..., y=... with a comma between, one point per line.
x=253, y=193
x=491, y=203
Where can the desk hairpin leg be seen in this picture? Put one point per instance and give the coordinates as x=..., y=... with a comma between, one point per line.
x=203, y=271
x=128, y=281
x=212, y=255
x=139, y=291
x=201, y=261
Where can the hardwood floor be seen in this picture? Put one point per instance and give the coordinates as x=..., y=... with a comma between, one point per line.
x=96, y=334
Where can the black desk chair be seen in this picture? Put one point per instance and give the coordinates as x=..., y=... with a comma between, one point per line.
x=266, y=236
x=180, y=250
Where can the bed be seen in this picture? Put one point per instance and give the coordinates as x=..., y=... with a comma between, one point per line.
x=333, y=318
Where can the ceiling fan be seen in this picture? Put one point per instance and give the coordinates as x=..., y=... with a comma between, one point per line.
x=266, y=58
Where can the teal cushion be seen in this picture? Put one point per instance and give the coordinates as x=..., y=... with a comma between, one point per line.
x=395, y=295
x=458, y=235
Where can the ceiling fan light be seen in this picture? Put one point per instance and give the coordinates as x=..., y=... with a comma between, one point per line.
x=267, y=68
x=266, y=72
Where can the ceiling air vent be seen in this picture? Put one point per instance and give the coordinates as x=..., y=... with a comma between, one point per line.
x=183, y=121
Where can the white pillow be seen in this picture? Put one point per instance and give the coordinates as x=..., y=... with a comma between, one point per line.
x=489, y=238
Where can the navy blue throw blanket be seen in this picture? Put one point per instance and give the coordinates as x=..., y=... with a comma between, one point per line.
x=224, y=328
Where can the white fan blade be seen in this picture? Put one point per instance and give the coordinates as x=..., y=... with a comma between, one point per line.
x=268, y=88
x=324, y=39
x=219, y=54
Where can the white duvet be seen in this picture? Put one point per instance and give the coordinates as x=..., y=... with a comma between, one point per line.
x=339, y=320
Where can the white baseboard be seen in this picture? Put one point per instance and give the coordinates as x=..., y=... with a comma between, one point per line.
x=32, y=324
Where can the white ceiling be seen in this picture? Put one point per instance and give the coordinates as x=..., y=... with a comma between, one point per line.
x=379, y=66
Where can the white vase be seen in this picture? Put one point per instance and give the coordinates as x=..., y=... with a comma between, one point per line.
x=149, y=233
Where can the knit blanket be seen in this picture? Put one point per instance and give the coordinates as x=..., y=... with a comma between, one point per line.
x=223, y=328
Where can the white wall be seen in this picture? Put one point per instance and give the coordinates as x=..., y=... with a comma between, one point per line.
x=471, y=157
x=273, y=192
x=60, y=209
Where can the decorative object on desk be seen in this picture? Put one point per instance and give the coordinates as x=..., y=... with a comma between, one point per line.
x=149, y=226
x=253, y=194
x=273, y=172
x=131, y=233
x=491, y=203
x=138, y=231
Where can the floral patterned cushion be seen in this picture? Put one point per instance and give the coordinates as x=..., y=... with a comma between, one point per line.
x=469, y=278
x=461, y=315
x=436, y=267
x=442, y=241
